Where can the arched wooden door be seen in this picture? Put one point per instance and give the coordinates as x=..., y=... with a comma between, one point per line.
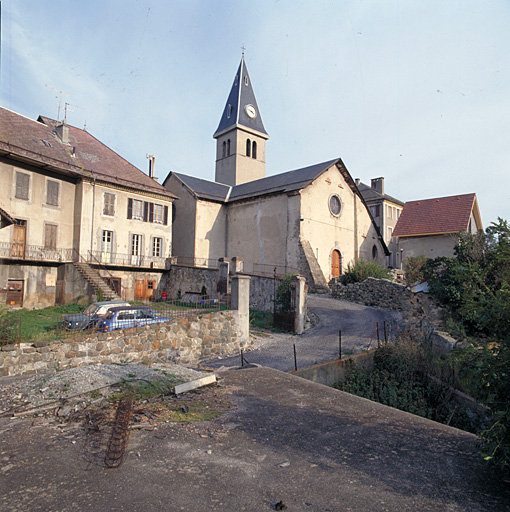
x=335, y=264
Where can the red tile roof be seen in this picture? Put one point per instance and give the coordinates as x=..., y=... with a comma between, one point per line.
x=435, y=216
x=84, y=155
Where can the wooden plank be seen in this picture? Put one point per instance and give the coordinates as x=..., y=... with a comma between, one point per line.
x=194, y=384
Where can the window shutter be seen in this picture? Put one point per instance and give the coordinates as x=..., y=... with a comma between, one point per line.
x=151, y=212
x=165, y=216
x=22, y=184
x=130, y=209
x=145, y=211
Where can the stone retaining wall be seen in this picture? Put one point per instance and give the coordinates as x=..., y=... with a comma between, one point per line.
x=181, y=340
x=418, y=309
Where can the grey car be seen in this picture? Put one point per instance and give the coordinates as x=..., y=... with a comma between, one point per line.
x=92, y=314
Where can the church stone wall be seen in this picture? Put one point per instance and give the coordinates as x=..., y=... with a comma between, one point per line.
x=257, y=230
x=183, y=219
x=210, y=230
x=351, y=232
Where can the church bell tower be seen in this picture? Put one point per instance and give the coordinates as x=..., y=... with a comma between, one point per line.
x=240, y=136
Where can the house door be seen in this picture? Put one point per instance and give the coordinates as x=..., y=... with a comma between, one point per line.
x=335, y=264
x=19, y=238
x=144, y=289
x=15, y=293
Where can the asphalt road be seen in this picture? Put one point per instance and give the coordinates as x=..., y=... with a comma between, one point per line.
x=320, y=343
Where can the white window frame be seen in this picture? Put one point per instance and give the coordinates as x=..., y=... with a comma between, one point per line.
x=138, y=206
x=157, y=247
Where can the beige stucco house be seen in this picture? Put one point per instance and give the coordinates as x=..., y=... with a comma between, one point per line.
x=431, y=227
x=312, y=220
x=385, y=211
x=67, y=199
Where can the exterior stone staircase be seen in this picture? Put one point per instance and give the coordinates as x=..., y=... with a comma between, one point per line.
x=92, y=276
x=312, y=271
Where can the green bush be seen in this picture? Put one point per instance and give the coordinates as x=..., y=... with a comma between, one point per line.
x=362, y=269
x=414, y=269
x=284, y=294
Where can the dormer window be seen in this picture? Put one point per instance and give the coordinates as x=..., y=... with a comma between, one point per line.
x=248, y=147
x=236, y=80
x=229, y=111
x=245, y=80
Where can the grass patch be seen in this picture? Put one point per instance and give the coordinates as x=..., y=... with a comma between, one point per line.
x=261, y=320
x=41, y=324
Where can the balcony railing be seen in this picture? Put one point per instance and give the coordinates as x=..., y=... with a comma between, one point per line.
x=34, y=252
x=185, y=261
x=126, y=260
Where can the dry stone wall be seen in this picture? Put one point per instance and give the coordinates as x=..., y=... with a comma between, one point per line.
x=184, y=340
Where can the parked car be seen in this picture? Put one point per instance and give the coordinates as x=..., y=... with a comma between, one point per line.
x=92, y=314
x=132, y=316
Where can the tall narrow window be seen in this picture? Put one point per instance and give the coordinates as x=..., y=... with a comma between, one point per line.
x=248, y=147
x=137, y=209
x=50, y=236
x=157, y=245
x=107, y=246
x=22, y=185
x=224, y=149
x=136, y=249
x=254, y=150
x=159, y=214
x=52, y=188
x=228, y=147
x=109, y=204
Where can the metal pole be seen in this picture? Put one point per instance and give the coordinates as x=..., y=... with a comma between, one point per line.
x=242, y=358
x=377, y=329
x=295, y=358
x=340, y=344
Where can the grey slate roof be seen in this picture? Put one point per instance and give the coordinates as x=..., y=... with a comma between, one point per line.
x=203, y=188
x=240, y=95
x=370, y=194
x=284, y=182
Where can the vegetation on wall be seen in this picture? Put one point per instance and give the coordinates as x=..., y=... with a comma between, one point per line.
x=475, y=284
x=408, y=376
x=414, y=269
x=362, y=269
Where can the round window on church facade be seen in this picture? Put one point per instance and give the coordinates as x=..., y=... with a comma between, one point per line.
x=335, y=205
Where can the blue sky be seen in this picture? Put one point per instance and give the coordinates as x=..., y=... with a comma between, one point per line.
x=415, y=91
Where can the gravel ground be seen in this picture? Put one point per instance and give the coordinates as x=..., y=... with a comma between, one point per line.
x=36, y=391
x=321, y=341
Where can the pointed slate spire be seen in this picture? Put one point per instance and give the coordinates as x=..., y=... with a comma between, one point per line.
x=241, y=108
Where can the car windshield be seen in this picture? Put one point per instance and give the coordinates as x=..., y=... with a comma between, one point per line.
x=91, y=309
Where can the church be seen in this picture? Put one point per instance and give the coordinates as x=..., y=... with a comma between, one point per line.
x=313, y=220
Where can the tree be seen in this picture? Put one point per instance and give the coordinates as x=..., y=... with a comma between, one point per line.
x=475, y=284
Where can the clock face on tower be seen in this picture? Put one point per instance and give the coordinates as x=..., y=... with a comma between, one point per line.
x=251, y=112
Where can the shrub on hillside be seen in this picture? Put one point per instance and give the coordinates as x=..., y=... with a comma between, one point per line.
x=362, y=269
x=414, y=269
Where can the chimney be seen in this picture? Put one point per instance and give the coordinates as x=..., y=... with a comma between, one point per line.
x=152, y=164
x=378, y=185
x=357, y=180
x=63, y=132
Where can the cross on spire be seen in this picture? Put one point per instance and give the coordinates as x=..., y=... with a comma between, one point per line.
x=243, y=48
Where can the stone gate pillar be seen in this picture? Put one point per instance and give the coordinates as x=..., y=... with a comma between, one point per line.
x=298, y=284
x=240, y=302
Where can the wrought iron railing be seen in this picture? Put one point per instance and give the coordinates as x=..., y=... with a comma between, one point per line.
x=185, y=261
x=127, y=260
x=9, y=250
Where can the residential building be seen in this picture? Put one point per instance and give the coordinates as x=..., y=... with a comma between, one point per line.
x=73, y=209
x=431, y=227
x=385, y=211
